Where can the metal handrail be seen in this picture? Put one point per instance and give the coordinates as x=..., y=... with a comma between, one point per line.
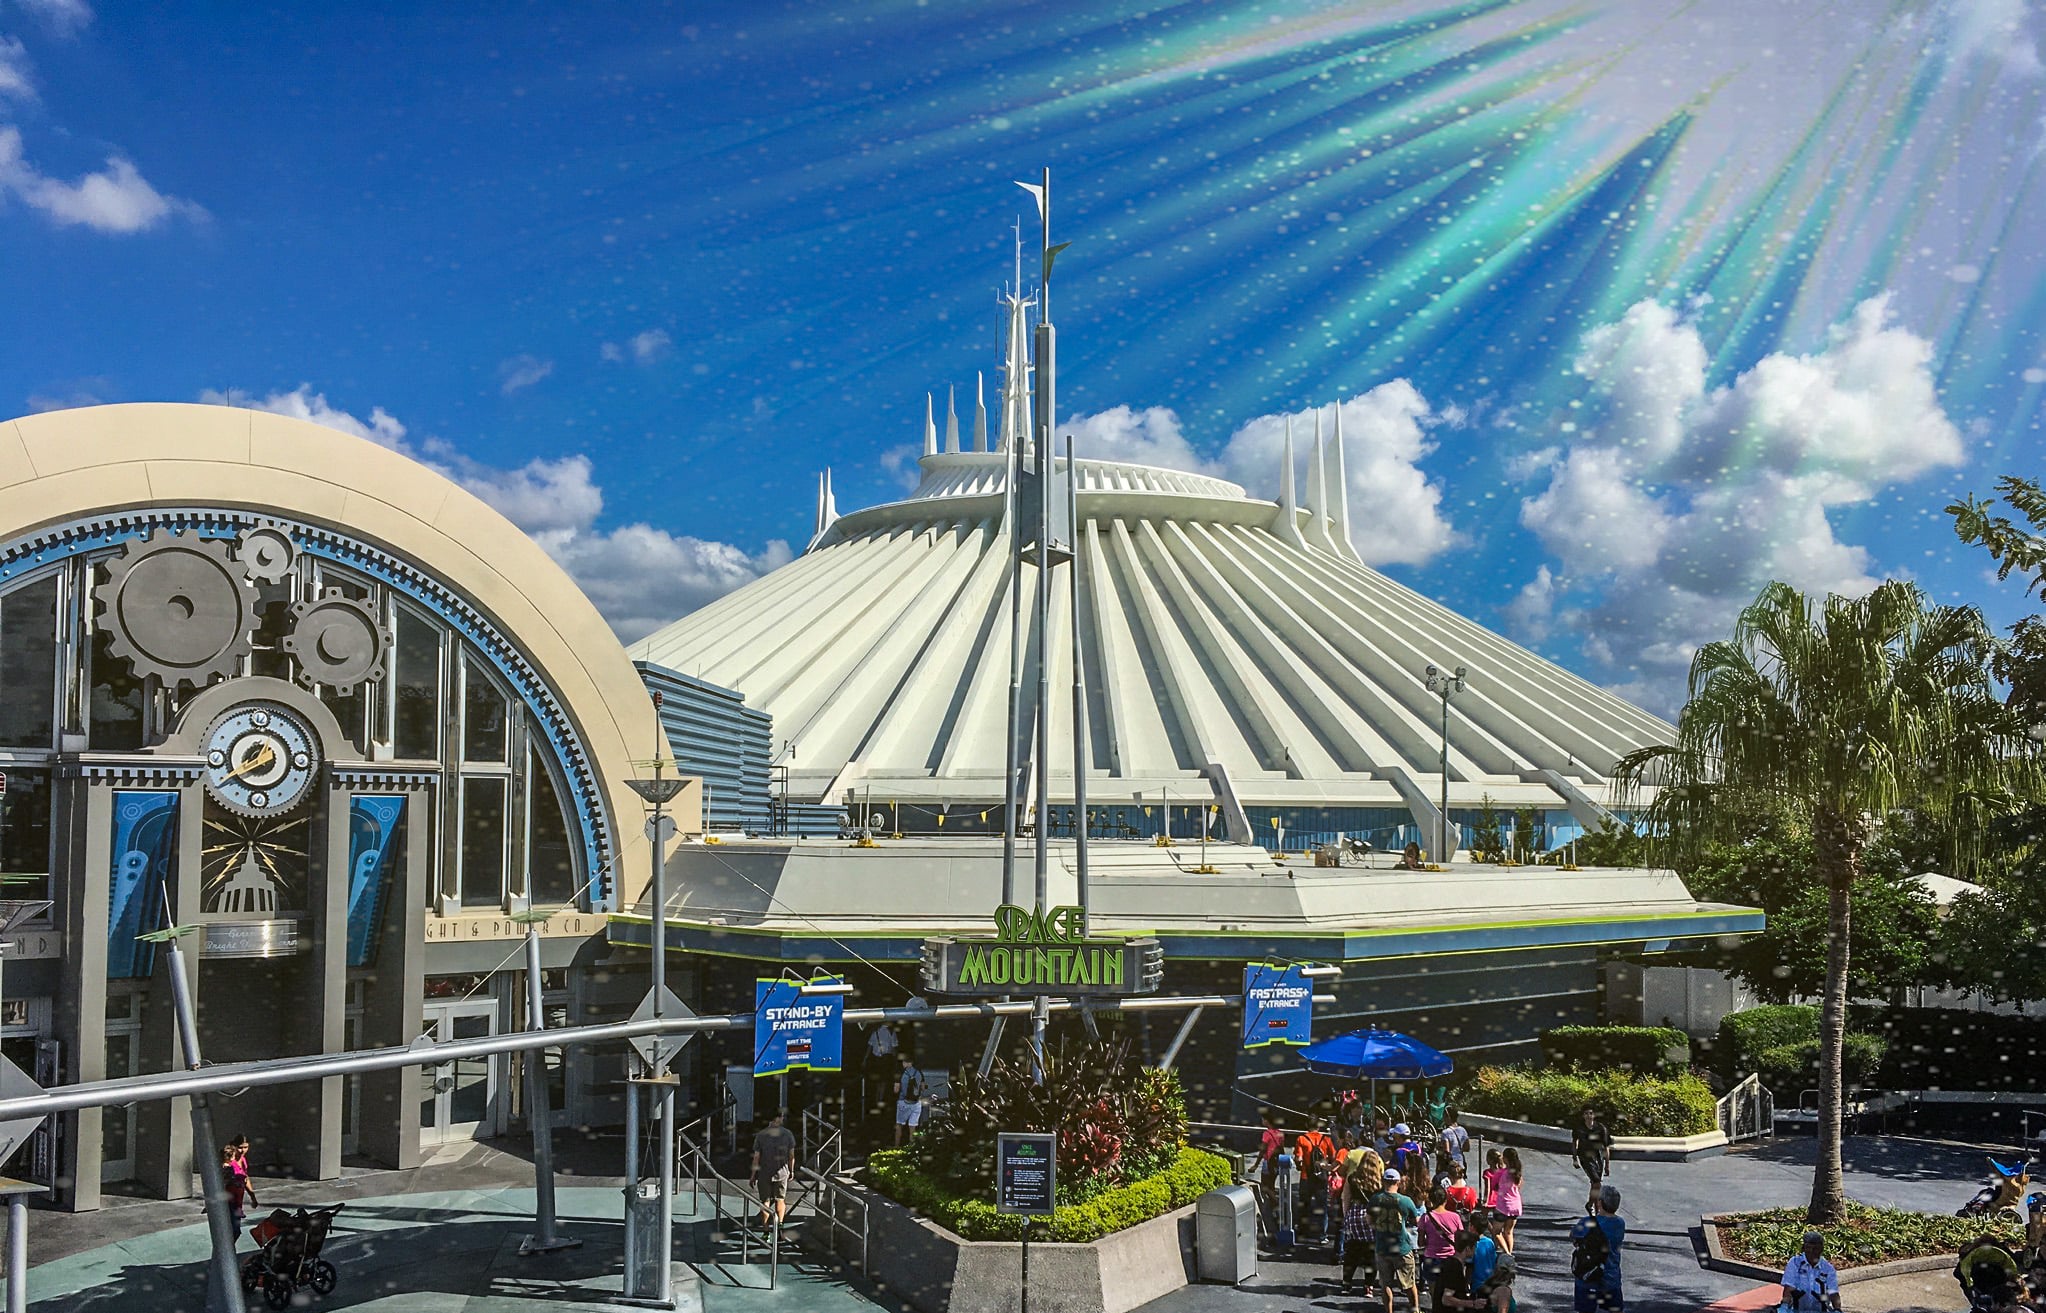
x=830, y=1140
x=829, y=1191
x=697, y=1155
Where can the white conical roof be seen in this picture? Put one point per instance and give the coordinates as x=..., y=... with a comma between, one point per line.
x=1219, y=654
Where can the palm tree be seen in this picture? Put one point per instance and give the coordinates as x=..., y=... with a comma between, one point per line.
x=1846, y=712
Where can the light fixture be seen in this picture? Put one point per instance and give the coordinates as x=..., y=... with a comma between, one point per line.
x=826, y=987
x=1320, y=972
x=1444, y=687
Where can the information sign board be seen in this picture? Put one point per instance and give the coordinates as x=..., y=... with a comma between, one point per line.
x=793, y=1029
x=1026, y=1173
x=1278, y=1005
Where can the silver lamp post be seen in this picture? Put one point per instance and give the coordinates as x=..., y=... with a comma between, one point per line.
x=1445, y=687
x=657, y=792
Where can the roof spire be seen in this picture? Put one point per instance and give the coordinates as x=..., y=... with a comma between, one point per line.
x=951, y=419
x=930, y=428
x=979, y=412
x=1318, y=534
x=1339, y=480
x=1016, y=378
x=827, y=509
x=1289, y=508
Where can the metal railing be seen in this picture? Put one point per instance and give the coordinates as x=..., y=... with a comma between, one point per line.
x=1747, y=1111
x=692, y=1151
x=820, y=1145
x=832, y=1192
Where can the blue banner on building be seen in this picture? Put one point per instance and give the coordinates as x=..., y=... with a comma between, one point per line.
x=144, y=847
x=1278, y=1005
x=794, y=1030
x=375, y=839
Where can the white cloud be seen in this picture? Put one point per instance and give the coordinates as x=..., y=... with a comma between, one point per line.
x=1681, y=501
x=15, y=78
x=1532, y=612
x=1995, y=30
x=1395, y=512
x=639, y=577
x=641, y=348
x=116, y=200
x=65, y=17
x=522, y=371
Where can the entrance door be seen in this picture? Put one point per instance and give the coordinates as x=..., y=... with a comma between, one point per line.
x=458, y=1100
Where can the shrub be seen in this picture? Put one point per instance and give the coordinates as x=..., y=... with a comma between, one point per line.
x=1745, y=1034
x=1191, y=1174
x=1627, y=1103
x=1654, y=1050
x=1869, y=1235
x=1790, y=1068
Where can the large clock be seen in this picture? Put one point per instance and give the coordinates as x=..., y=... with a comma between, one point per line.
x=261, y=759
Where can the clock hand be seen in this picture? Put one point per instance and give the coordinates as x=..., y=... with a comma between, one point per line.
x=261, y=757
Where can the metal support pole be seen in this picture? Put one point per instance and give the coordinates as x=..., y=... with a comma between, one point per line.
x=1082, y=749
x=17, y=1254
x=994, y=1043
x=1446, y=850
x=224, y=1291
x=545, y=1239
x=1011, y=765
x=665, y=1269
x=631, y=1169
x=1172, y=1049
x=1047, y=409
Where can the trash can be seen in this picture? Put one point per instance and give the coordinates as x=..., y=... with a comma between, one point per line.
x=1225, y=1234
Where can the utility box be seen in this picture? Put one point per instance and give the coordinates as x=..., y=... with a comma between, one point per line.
x=642, y=1265
x=1225, y=1234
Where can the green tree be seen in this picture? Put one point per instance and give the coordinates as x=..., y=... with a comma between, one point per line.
x=1611, y=844
x=1488, y=842
x=1842, y=713
x=2021, y=550
x=1527, y=835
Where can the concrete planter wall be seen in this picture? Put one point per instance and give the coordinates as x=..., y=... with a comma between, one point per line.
x=1626, y=1148
x=936, y=1271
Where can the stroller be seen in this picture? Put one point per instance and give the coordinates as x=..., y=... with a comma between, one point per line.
x=289, y=1257
x=2004, y=1193
x=1988, y=1274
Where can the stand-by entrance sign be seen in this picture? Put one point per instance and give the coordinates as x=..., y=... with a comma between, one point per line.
x=1026, y=1173
x=793, y=1029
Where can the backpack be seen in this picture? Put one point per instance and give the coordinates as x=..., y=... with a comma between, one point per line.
x=1588, y=1253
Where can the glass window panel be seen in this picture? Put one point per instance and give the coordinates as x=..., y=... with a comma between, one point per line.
x=116, y=708
x=28, y=665
x=550, y=857
x=415, y=687
x=25, y=834
x=483, y=839
x=484, y=715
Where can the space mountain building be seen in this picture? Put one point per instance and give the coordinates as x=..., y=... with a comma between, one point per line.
x=1251, y=690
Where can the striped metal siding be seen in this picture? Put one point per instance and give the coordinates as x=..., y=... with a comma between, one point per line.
x=713, y=733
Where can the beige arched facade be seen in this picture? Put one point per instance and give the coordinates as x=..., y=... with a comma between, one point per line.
x=321, y=931
x=64, y=464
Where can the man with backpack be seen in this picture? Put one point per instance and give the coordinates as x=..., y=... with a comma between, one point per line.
x=1595, y=1256
x=1393, y=1243
x=1314, y=1157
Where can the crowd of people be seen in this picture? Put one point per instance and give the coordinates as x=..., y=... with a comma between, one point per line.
x=1403, y=1218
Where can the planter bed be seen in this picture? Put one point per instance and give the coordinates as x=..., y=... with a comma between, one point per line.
x=1724, y=1253
x=934, y=1270
x=1626, y=1148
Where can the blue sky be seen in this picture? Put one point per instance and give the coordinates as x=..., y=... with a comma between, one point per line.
x=1634, y=306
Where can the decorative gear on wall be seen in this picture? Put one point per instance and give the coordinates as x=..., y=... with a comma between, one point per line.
x=338, y=641
x=267, y=551
x=179, y=607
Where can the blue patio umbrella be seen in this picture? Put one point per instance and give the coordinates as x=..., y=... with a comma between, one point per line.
x=1374, y=1055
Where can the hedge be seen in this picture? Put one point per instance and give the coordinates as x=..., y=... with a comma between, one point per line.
x=1788, y=1069
x=1627, y=1103
x=1745, y=1035
x=1656, y=1050
x=1190, y=1176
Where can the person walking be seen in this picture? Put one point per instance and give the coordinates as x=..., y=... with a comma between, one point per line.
x=909, y=1100
x=234, y=1174
x=1393, y=1243
x=1271, y=1145
x=1357, y=1234
x=774, y=1166
x=1504, y=1182
x=1591, y=1144
x=1595, y=1256
x=1453, y=1139
x=1439, y=1228
x=1810, y=1284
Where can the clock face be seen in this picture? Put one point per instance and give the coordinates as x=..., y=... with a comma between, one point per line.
x=260, y=759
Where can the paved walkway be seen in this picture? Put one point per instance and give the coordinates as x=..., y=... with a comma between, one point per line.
x=444, y=1239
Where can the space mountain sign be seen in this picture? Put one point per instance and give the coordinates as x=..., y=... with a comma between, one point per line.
x=1035, y=953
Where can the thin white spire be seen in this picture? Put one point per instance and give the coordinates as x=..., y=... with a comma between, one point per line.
x=1016, y=379
x=979, y=412
x=930, y=428
x=951, y=419
x=1339, y=481
x=1318, y=533
x=1289, y=505
x=827, y=508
